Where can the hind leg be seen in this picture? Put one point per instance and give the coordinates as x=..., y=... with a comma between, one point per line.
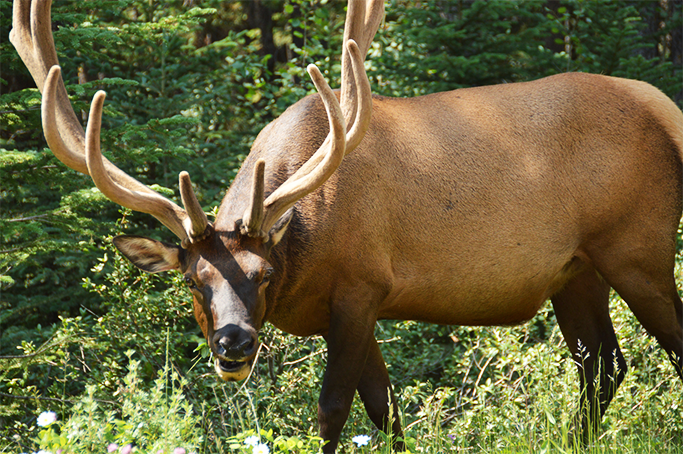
x=661, y=314
x=376, y=392
x=648, y=287
x=582, y=311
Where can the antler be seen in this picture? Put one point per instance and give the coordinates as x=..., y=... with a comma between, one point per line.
x=31, y=35
x=355, y=110
x=362, y=21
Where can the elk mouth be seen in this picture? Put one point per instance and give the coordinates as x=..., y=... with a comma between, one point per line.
x=233, y=370
x=231, y=366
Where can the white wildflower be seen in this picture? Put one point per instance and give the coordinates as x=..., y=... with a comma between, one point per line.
x=252, y=440
x=261, y=449
x=46, y=418
x=361, y=440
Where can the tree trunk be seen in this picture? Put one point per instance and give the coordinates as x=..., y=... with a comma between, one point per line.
x=549, y=42
x=650, y=11
x=675, y=13
x=260, y=16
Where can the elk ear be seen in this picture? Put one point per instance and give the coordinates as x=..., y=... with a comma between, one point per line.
x=149, y=255
x=278, y=230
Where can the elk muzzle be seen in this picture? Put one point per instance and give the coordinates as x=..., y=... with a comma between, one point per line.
x=235, y=349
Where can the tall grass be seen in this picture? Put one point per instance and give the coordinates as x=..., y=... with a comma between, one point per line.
x=498, y=390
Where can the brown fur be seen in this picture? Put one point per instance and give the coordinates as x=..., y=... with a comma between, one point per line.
x=503, y=197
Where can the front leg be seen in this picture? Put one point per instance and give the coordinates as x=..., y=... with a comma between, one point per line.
x=349, y=340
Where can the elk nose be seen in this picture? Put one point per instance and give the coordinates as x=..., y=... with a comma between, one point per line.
x=236, y=346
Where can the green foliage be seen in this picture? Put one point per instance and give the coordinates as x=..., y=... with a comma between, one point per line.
x=156, y=419
x=251, y=442
x=612, y=38
x=189, y=88
x=447, y=45
x=443, y=45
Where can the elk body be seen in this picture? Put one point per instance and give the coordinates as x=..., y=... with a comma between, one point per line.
x=470, y=207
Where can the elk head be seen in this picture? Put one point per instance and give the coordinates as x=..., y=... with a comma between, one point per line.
x=225, y=266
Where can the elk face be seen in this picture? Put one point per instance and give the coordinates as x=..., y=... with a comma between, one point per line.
x=228, y=282
x=228, y=274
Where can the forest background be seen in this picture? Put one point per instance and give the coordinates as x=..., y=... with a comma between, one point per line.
x=117, y=354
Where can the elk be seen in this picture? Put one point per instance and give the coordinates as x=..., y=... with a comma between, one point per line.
x=470, y=207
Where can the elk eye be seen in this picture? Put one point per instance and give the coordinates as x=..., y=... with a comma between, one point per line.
x=266, y=276
x=190, y=283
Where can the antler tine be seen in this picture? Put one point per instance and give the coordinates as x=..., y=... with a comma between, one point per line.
x=196, y=222
x=292, y=190
x=167, y=212
x=362, y=21
x=356, y=108
x=50, y=127
x=253, y=216
x=67, y=141
x=363, y=100
x=31, y=35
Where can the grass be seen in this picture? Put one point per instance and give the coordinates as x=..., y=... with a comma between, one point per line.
x=509, y=393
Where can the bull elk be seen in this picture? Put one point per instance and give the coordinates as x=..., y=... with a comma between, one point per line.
x=470, y=207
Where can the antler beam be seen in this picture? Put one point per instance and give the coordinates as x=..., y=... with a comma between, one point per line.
x=363, y=18
x=31, y=35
